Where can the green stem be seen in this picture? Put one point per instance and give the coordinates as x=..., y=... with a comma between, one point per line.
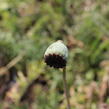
x=65, y=88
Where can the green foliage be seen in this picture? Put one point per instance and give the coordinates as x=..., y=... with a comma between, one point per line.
x=31, y=25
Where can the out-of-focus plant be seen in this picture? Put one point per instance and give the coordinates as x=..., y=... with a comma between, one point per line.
x=31, y=25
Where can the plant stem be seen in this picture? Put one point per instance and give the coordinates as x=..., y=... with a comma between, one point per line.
x=65, y=88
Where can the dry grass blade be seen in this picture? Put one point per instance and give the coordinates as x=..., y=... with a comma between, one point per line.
x=13, y=62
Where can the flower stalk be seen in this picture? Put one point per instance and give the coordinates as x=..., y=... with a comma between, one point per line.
x=66, y=88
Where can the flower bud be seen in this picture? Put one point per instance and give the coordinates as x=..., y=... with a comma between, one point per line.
x=56, y=55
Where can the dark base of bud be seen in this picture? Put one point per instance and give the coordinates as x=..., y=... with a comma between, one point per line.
x=56, y=61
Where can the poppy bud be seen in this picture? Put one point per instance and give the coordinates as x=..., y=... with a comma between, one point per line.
x=56, y=55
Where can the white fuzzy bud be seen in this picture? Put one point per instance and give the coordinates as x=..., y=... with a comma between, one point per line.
x=54, y=52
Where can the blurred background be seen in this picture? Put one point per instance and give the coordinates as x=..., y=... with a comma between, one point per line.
x=27, y=27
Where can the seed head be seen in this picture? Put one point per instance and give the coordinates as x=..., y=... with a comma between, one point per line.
x=56, y=55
